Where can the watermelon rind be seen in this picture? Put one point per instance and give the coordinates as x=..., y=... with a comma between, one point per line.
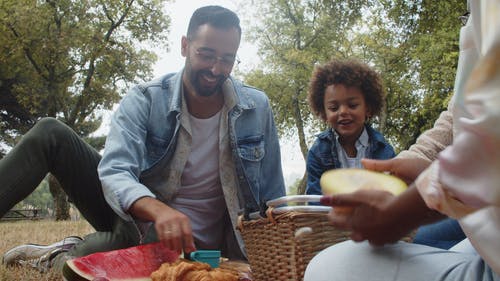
x=141, y=260
x=71, y=273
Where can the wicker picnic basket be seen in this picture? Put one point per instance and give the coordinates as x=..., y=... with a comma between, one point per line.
x=274, y=251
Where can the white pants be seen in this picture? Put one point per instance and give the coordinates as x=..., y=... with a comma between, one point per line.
x=349, y=261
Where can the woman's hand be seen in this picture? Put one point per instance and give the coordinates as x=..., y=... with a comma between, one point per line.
x=407, y=169
x=368, y=215
x=378, y=216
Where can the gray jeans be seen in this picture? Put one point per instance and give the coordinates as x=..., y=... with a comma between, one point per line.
x=51, y=146
x=400, y=261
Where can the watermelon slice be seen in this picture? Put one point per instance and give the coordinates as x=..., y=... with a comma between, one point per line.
x=131, y=264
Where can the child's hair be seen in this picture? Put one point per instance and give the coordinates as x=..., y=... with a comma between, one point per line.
x=350, y=73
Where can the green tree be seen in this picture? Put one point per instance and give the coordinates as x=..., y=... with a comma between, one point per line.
x=380, y=43
x=292, y=37
x=72, y=59
x=39, y=199
x=293, y=189
x=413, y=44
x=427, y=37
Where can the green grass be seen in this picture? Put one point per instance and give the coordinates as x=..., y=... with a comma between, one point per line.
x=39, y=232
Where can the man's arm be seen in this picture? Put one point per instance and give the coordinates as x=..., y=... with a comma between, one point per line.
x=172, y=227
x=125, y=150
x=120, y=170
x=272, y=182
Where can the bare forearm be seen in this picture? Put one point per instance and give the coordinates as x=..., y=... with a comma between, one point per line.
x=378, y=216
x=412, y=210
x=172, y=227
x=148, y=208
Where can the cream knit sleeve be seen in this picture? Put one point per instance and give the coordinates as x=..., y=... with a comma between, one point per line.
x=434, y=140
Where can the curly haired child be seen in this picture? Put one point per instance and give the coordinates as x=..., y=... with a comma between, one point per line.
x=345, y=94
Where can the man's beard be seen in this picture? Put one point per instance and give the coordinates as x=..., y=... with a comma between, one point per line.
x=196, y=77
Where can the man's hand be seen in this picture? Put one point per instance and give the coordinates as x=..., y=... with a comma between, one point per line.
x=406, y=169
x=173, y=228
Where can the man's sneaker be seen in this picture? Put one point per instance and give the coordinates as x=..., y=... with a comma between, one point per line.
x=44, y=262
x=38, y=256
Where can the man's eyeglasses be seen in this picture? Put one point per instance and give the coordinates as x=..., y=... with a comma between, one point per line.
x=211, y=59
x=464, y=18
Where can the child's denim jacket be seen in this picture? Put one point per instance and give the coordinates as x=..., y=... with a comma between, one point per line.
x=323, y=155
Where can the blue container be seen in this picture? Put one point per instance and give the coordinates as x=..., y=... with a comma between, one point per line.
x=212, y=257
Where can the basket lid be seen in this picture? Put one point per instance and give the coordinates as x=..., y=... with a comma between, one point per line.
x=303, y=209
x=280, y=206
x=294, y=199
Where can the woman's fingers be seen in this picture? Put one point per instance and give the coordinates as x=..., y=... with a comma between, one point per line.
x=379, y=165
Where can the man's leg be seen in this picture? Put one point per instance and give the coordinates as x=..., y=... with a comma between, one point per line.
x=124, y=235
x=400, y=261
x=45, y=257
x=51, y=146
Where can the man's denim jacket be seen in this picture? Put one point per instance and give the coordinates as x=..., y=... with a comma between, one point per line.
x=143, y=136
x=323, y=155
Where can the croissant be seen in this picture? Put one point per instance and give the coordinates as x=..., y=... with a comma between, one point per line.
x=183, y=270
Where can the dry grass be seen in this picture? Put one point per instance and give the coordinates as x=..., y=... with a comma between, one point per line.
x=40, y=232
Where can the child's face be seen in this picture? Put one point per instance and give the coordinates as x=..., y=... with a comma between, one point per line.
x=345, y=110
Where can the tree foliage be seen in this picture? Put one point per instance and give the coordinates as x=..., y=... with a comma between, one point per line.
x=39, y=199
x=428, y=32
x=293, y=36
x=413, y=44
x=71, y=59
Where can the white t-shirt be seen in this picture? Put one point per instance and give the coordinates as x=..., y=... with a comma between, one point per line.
x=200, y=195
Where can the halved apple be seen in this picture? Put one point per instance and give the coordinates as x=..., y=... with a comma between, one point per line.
x=347, y=180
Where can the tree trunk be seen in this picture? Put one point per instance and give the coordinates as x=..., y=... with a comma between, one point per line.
x=383, y=119
x=301, y=189
x=299, y=124
x=61, y=204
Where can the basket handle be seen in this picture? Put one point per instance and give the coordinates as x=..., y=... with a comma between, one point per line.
x=293, y=199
